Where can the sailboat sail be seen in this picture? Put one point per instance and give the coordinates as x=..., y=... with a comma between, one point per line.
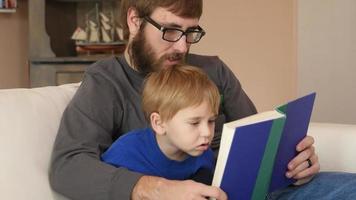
x=104, y=17
x=105, y=25
x=79, y=34
x=105, y=35
x=94, y=32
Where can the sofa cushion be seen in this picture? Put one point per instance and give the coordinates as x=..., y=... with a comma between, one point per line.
x=29, y=119
x=335, y=145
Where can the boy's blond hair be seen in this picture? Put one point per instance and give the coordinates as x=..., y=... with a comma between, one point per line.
x=170, y=90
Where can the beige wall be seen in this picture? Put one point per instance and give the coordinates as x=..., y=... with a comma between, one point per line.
x=257, y=40
x=13, y=48
x=327, y=57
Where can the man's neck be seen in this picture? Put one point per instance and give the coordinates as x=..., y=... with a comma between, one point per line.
x=129, y=60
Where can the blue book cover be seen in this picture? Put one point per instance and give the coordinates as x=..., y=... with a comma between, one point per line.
x=254, y=151
x=298, y=114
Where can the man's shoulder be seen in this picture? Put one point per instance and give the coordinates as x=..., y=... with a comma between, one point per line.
x=203, y=60
x=213, y=66
x=110, y=69
x=103, y=65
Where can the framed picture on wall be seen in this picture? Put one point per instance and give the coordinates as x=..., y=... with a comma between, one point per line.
x=8, y=5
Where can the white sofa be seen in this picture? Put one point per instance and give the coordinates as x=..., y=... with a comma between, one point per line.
x=29, y=119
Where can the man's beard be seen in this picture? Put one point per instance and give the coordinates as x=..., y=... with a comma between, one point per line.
x=144, y=59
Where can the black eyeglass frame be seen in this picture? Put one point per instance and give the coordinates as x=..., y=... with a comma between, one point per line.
x=165, y=29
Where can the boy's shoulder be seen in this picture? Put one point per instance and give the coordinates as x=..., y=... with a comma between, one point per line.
x=131, y=143
x=136, y=135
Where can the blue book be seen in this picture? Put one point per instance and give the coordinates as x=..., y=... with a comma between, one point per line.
x=254, y=151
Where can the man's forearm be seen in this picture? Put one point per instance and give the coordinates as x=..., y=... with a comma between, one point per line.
x=148, y=187
x=156, y=188
x=84, y=177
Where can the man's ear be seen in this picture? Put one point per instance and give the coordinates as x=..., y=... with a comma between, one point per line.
x=133, y=21
x=157, y=123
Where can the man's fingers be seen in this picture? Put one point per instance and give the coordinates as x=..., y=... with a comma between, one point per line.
x=301, y=157
x=305, y=143
x=308, y=171
x=303, y=170
x=214, y=192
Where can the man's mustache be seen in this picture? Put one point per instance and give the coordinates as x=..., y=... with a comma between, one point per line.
x=175, y=56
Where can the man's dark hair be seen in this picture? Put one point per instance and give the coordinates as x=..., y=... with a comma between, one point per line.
x=182, y=8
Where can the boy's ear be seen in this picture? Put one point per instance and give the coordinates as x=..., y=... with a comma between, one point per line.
x=133, y=21
x=157, y=123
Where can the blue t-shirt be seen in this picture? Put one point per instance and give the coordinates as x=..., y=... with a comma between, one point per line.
x=138, y=151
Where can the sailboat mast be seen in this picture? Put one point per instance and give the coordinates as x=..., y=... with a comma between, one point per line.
x=113, y=25
x=87, y=28
x=98, y=21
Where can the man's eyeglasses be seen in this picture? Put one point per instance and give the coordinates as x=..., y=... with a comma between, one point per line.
x=193, y=35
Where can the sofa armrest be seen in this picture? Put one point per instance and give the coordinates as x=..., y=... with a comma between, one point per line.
x=335, y=145
x=29, y=120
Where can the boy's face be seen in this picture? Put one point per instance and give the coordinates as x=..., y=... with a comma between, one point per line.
x=189, y=132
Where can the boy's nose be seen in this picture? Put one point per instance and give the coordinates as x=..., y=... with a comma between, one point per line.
x=206, y=131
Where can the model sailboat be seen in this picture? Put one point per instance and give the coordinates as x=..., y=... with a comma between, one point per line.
x=100, y=32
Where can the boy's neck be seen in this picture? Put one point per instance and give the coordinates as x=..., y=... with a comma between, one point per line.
x=169, y=150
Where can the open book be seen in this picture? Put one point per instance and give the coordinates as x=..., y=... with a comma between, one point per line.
x=255, y=151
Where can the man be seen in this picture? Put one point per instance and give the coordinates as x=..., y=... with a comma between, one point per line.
x=107, y=104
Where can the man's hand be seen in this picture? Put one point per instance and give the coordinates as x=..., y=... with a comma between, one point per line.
x=150, y=187
x=299, y=168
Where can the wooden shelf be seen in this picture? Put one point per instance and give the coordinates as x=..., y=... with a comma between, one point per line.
x=54, y=58
x=7, y=10
x=79, y=0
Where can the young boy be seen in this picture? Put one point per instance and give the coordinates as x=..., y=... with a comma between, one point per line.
x=181, y=104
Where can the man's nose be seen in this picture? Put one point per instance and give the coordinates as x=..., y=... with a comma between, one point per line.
x=181, y=45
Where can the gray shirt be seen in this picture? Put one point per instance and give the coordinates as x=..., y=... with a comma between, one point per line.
x=107, y=105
